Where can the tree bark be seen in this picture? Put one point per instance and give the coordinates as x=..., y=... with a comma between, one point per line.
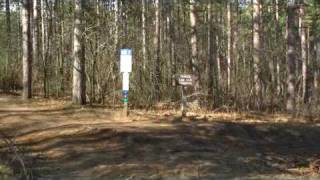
x=304, y=53
x=229, y=45
x=35, y=30
x=209, y=54
x=291, y=57
x=8, y=21
x=194, y=49
x=218, y=45
x=278, y=35
x=317, y=66
x=235, y=44
x=27, y=48
x=62, y=58
x=116, y=24
x=79, y=86
x=257, y=53
x=156, y=42
x=43, y=48
x=144, y=35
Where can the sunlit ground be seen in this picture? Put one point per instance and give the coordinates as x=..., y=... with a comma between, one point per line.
x=58, y=141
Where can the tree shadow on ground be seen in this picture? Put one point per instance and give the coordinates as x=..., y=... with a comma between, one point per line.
x=164, y=149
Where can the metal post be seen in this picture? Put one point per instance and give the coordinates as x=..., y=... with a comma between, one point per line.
x=125, y=69
x=183, y=102
x=125, y=92
x=126, y=109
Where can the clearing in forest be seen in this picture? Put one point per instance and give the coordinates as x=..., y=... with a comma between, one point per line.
x=53, y=140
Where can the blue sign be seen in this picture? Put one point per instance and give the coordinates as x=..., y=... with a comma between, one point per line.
x=125, y=93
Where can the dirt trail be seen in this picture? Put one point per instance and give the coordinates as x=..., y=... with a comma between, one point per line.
x=62, y=142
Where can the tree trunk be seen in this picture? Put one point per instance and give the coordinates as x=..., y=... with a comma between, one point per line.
x=116, y=24
x=156, y=42
x=229, y=45
x=291, y=57
x=218, y=45
x=79, y=86
x=317, y=66
x=27, y=48
x=235, y=44
x=43, y=48
x=144, y=35
x=8, y=21
x=62, y=58
x=211, y=57
x=278, y=35
x=194, y=50
x=257, y=53
x=304, y=54
x=35, y=30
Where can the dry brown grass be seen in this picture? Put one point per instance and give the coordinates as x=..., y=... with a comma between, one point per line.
x=70, y=142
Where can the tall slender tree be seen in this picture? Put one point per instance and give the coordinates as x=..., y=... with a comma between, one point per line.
x=194, y=48
x=229, y=44
x=278, y=36
x=8, y=21
x=257, y=52
x=61, y=48
x=144, y=34
x=291, y=56
x=210, y=62
x=156, y=43
x=304, y=52
x=35, y=29
x=26, y=17
x=79, y=85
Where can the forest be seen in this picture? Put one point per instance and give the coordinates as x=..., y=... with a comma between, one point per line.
x=254, y=99
x=245, y=55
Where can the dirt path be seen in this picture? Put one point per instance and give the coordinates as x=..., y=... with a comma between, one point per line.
x=62, y=142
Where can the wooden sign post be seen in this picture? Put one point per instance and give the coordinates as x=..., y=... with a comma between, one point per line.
x=184, y=80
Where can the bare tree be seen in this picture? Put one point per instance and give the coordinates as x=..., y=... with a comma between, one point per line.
x=291, y=56
x=278, y=35
x=210, y=62
x=35, y=29
x=194, y=49
x=256, y=52
x=156, y=42
x=229, y=45
x=304, y=52
x=26, y=17
x=79, y=86
x=144, y=34
x=8, y=21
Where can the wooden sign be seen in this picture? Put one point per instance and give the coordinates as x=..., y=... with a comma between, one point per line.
x=185, y=80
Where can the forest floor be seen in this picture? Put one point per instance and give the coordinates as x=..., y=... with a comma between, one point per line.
x=53, y=140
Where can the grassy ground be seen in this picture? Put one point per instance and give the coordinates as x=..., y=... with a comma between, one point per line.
x=53, y=140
